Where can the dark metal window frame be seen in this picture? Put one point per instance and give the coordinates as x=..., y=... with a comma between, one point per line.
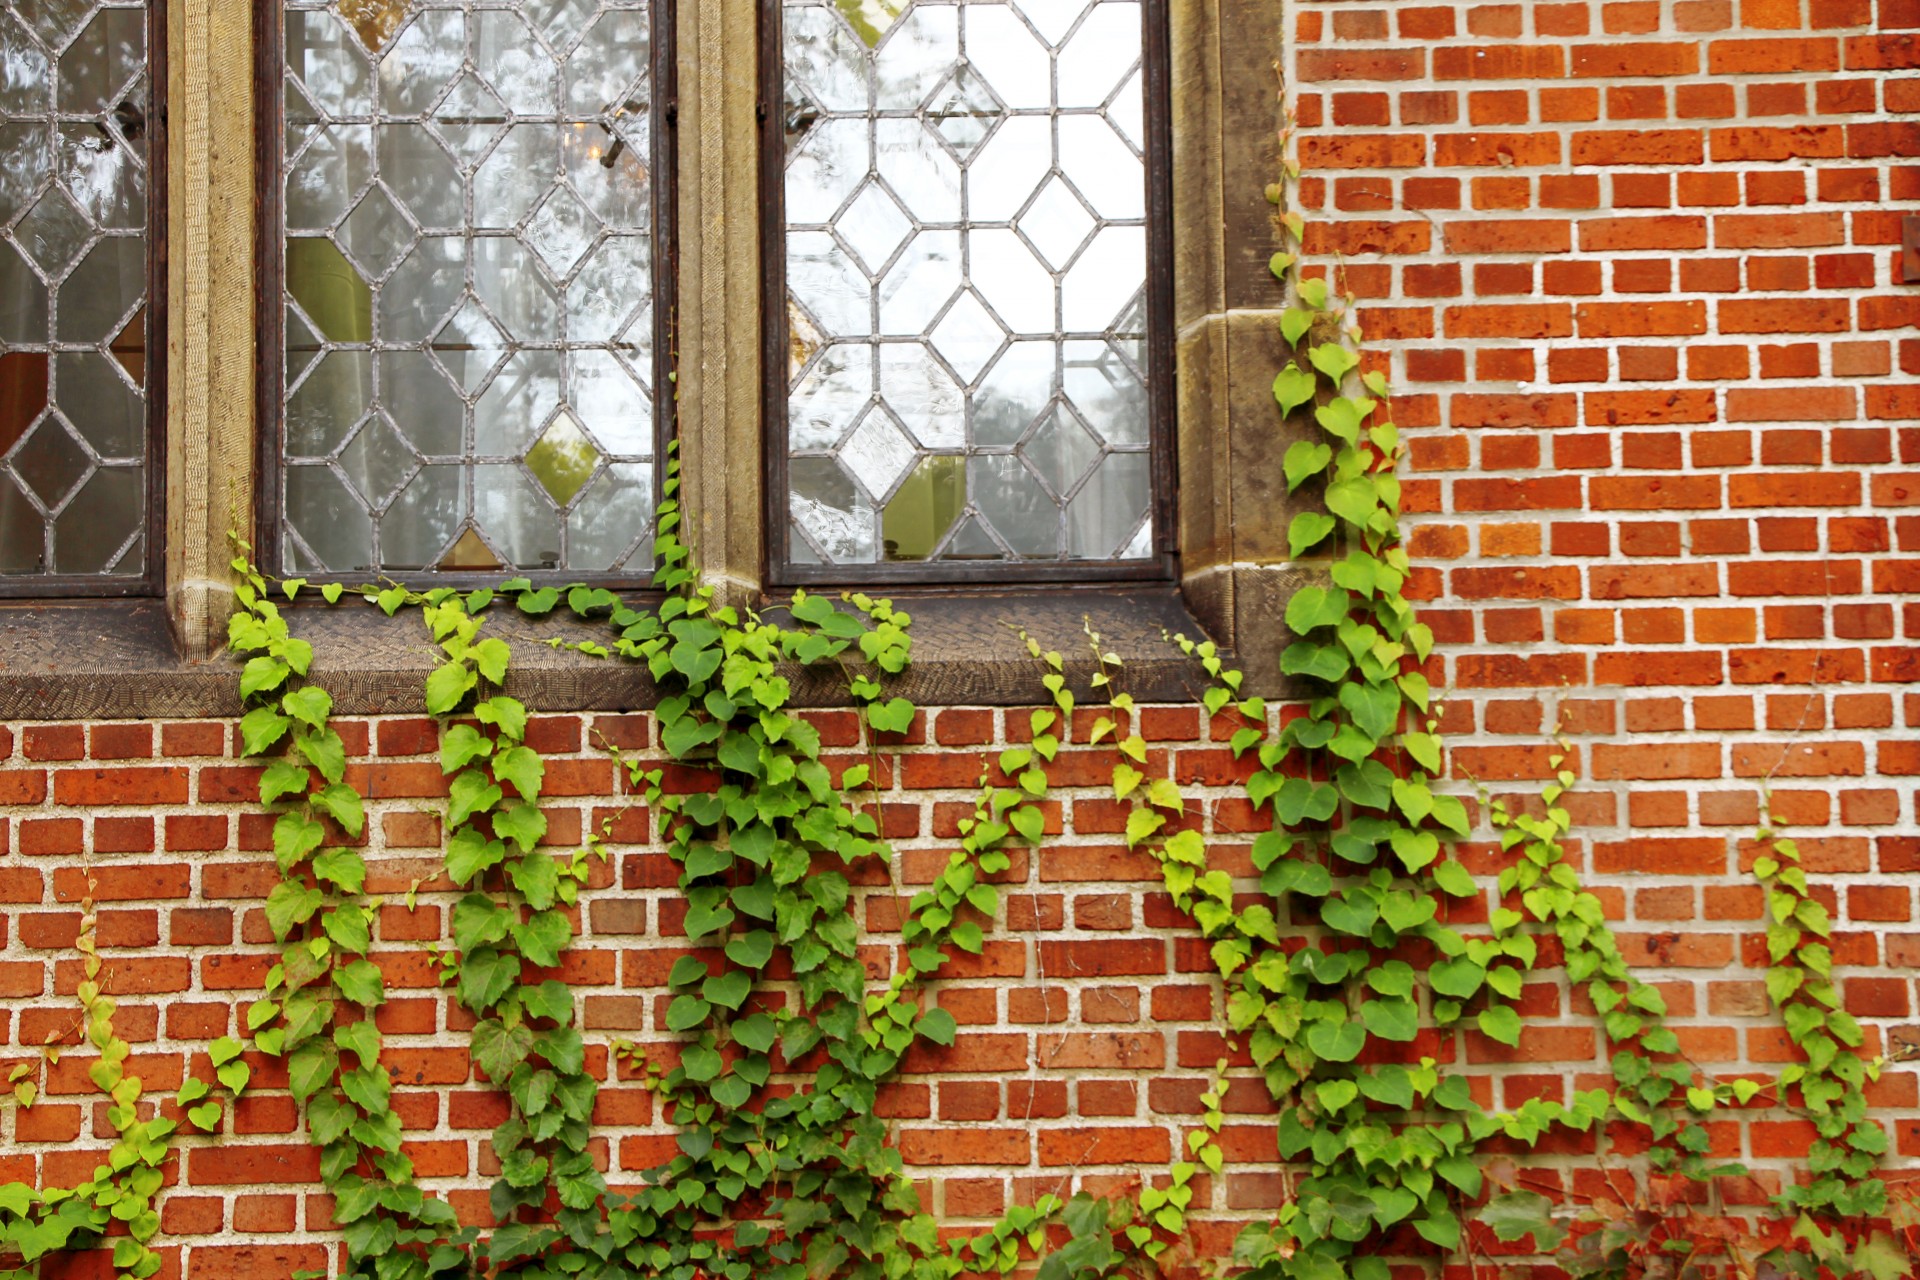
x=151, y=581
x=780, y=568
x=270, y=260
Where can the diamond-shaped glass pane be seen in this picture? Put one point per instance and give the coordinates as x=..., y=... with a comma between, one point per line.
x=377, y=460
x=74, y=429
x=963, y=111
x=561, y=231
x=966, y=255
x=53, y=232
x=50, y=462
x=877, y=453
x=469, y=345
x=1061, y=451
x=563, y=459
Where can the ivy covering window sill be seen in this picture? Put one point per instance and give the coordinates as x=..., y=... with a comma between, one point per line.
x=118, y=660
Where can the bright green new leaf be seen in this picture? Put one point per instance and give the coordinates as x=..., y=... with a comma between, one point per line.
x=1293, y=387
x=1308, y=530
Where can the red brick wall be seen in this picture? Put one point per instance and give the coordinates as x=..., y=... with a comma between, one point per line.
x=1634, y=266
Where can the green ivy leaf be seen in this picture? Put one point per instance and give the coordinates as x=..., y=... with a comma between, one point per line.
x=284, y=778
x=537, y=878
x=1353, y=500
x=1292, y=388
x=324, y=750
x=1313, y=606
x=462, y=745
x=342, y=803
x=497, y=1048
x=311, y=1068
x=1500, y=1023
x=730, y=990
x=472, y=792
x=448, y=684
x=1391, y=1019
x=360, y=982
x=522, y=767
x=309, y=704
x=1308, y=530
x=469, y=853
x=509, y=714
x=1455, y=879
x=486, y=975
x=520, y=822
x=1336, y=1041
x=343, y=867
x=262, y=674
x=260, y=728
x=751, y=950
x=1333, y=360
x=290, y=903
x=543, y=936
x=687, y=1012
x=490, y=656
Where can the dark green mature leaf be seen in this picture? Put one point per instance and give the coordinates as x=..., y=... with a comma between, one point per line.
x=1520, y=1213
x=687, y=1012
x=486, y=975
x=520, y=822
x=311, y=1068
x=1336, y=1042
x=497, y=1048
x=543, y=937
x=1391, y=1019
x=479, y=921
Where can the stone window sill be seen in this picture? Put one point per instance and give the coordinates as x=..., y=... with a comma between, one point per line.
x=117, y=660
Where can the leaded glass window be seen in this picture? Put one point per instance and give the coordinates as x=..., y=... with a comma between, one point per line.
x=966, y=288
x=468, y=323
x=75, y=108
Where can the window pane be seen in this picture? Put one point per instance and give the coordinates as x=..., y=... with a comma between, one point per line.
x=966, y=250
x=74, y=102
x=469, y=319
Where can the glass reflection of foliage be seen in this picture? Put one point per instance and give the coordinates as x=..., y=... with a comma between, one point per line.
x=74, y=102
x=924, y=507
x=468, y=315
x=965, y=196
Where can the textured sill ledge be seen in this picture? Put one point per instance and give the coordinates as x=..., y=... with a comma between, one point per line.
x=99, y=660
